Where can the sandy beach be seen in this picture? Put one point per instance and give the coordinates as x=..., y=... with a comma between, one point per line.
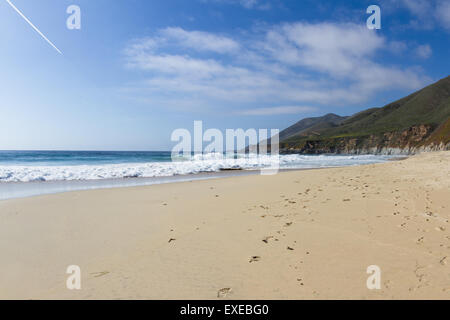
x=295, y=235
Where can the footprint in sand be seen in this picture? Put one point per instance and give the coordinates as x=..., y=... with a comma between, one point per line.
x=254, y=259
x=222, y=293
x=171, y=239
x=266, y=239
x=99, y=274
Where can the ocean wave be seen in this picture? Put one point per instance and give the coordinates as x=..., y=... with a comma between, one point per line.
x=191, y=165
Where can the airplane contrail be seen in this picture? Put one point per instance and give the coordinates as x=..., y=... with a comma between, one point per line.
x=32, y=25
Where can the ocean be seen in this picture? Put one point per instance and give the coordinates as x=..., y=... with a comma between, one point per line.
x=55, y=171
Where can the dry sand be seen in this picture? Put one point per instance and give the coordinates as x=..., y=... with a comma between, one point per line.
x=296, y=235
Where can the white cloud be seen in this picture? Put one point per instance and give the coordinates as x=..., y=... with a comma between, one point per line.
x=180, y=38
x=425, y=14
x=343, y=51
x=332, y=48
x=289, y=65
x=443, y=13
x=424, y=51
x=277, y=110
x=248, y=4
x=417, y=7
x=176, y=65
x=397, y=47
x=201, y=41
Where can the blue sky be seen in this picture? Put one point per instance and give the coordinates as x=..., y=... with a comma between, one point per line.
x=139, y=69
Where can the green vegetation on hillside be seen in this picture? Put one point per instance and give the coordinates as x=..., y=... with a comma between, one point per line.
x=429, y=106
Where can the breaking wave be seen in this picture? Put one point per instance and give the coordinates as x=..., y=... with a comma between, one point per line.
x=183, y=166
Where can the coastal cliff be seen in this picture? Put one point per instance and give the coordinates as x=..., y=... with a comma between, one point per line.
x=410, y=141
x=417, y=123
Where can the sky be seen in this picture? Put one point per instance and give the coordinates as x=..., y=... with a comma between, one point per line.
x=136, y=69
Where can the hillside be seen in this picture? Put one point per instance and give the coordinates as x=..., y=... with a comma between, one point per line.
x=310, y=125
x=418, y=121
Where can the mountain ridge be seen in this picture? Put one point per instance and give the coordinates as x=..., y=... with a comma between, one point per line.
x=419, y=121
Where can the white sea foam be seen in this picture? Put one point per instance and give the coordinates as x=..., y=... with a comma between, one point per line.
x=193, y=165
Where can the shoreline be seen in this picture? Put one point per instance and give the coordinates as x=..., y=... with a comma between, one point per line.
x=20, y=190
x=308, y=234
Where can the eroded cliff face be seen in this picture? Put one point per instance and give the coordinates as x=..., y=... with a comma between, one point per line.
x=412, y=140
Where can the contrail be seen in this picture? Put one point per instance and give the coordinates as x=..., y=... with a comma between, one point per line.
x=32, y=25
